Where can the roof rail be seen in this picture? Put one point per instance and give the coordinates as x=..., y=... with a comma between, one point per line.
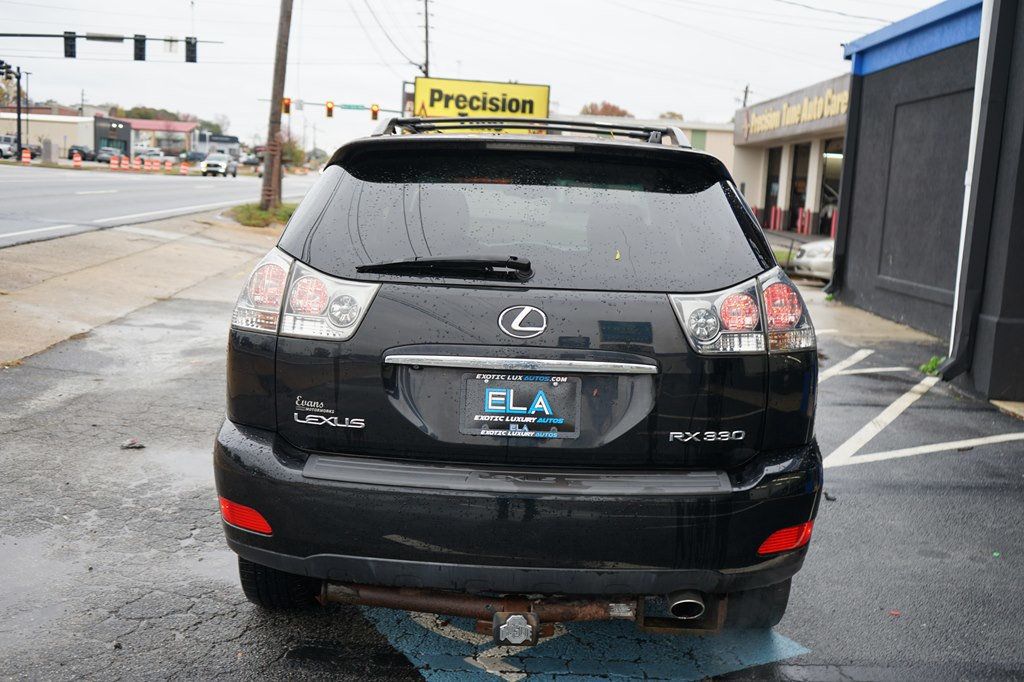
x=651, y=134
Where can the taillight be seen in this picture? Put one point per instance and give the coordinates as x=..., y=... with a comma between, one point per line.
x=766, y=313
x=722, y=322
x=789, y=325
x=739, y=313
x=308, y=296
x=243, y=517
x=323, y=307
x=259, y=305
x=787, y=539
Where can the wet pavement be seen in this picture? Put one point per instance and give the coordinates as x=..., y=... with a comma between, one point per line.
x=114, y=565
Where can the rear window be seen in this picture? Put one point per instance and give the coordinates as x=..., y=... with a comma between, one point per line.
x=585, y=220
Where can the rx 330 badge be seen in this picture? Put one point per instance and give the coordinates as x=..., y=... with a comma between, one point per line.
x=705, y=436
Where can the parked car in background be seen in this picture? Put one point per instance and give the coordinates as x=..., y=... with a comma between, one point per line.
x=814, y=259
x=8, y=146
x=106, y=153
x=84, y=151
x=36, y=150
x=192, y=156
x=219, y=164
x=250, y=160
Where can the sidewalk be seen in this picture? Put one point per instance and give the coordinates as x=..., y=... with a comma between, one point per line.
x=53, y=290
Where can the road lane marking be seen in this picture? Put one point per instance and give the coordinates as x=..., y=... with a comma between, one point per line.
x=843, y=364
x=97, y=191
x=37, y=229
x=926, y=449
x=844, y=452
x=183, y=209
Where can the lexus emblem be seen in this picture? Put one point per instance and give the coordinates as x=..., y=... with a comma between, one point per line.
x=523, y=321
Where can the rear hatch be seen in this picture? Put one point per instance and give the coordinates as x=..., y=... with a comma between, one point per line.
x=553, y=317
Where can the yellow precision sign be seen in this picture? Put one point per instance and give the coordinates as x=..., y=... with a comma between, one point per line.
x=442, y=97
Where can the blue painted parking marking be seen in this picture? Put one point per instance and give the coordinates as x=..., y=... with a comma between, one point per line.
x=444, y=648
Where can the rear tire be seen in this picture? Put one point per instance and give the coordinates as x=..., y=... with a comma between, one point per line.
x=758, y=609
x=274, y=589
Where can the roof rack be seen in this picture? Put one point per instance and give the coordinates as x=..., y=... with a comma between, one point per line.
x=651, y=134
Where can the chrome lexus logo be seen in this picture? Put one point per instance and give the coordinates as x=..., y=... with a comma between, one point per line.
x=522, y=321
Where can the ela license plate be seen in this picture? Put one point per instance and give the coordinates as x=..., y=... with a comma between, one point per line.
x=520, y=405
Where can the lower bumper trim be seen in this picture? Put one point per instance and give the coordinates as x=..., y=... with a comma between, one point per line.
x=478, y=579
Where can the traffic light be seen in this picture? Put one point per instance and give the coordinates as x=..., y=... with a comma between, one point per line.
x=69, y=44
x=330, y=109
x=286, y=105
x=190, y=49
x=140, y=48
x=374, y=111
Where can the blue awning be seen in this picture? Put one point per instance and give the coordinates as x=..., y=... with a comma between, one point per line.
x=947, y=24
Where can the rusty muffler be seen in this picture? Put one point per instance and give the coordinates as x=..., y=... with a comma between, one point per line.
x=480, y=607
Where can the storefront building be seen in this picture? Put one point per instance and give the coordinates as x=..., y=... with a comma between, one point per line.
x=932, y=217
x=788, y=157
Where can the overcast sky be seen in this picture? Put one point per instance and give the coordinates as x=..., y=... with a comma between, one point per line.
x=649, y=56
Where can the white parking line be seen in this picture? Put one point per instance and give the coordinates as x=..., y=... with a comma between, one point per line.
x=872, y=370
x=97, y=191
x=843, y=364
x=5, y=235
x=844, y=452
x=926, y=449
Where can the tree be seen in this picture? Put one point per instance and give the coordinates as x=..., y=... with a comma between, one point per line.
x=7, y=93
x=671, y=115
x=605, y=108
x=291, y=151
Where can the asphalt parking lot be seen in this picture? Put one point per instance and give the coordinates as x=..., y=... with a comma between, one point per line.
x=115, y=566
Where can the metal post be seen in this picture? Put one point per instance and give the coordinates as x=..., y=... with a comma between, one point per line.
x=271, y=194
x=28, y=107
x=17, y=99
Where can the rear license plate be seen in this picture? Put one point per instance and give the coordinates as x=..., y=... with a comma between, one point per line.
x=520, y=405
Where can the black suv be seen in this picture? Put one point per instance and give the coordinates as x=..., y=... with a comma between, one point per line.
x=480, y=365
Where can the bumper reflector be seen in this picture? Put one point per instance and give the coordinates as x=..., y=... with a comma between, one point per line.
x=787, y=539
x=243, y=517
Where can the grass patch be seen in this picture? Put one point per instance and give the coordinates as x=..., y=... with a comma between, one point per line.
x=782, y=256
x=932, y=366
x=253, y=216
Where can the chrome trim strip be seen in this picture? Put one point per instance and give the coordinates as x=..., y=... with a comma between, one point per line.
x=377, y=472
x=521, y=364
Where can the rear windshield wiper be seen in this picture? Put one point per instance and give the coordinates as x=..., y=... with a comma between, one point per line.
x=510, y=268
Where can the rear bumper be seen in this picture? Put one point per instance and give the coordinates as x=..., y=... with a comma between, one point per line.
x=487, y=530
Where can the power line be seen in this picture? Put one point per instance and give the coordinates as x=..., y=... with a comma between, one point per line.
x=387, y=35
x=373, y=43
x=794, y=3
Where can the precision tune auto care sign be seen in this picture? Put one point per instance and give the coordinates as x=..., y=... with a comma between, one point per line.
x=446, y=97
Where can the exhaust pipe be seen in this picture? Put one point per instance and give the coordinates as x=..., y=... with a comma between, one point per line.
x=686, y=604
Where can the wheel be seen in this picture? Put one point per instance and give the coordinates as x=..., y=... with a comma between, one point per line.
x=758, y=609
x=274, y=589
x=235, y=174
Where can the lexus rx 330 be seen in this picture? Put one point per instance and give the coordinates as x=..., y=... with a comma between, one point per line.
x=522, y=377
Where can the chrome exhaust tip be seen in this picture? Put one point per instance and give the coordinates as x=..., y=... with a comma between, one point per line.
x=686, y=604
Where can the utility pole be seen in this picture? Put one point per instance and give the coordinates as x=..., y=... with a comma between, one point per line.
x=746, y=93
x=426, y=38
x=271, y=194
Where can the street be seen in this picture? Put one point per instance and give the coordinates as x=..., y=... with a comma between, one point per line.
x=115, y=565
x=57, y=202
